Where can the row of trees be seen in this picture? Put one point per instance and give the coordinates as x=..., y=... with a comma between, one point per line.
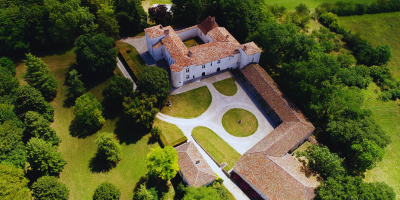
x=347, y=8
x=40, y=24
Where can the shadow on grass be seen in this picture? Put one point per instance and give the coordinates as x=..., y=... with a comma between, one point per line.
x=93, y=81
x=69, y=102
x=160, y=185
x=80, y=131
x=175, y=183
x=128, y=132
x=100, y=164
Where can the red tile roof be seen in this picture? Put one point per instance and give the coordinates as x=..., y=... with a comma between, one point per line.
x=157, y=31
x=222, y=35
x=193, y=166
x=208, y=24
x=256, y=165
x=212, y=51
x=250, y=48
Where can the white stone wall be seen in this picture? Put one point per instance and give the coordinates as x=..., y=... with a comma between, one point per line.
x=168, y=57
x=245, y=59
x=159, y=53
x=177, y=79
x=205, y=38
x=191, y=33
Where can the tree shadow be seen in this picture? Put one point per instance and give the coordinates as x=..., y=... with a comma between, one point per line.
x=69, y=102
x=129, y=132
x=153, y=182
x=111, y=111
x=175, y=183
x=99, y=164
x=80, y=131
x=92, y=81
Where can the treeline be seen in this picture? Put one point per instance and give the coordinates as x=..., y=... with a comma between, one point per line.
x=327, y=88
x=347, y=8
x=39, y=24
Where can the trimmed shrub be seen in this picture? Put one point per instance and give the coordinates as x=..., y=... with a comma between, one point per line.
x=106, y=191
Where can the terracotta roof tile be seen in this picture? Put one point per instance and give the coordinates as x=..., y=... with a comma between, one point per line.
x=250, y=48
x=158, y=45
x=186, y=29
x=212, y=51
x=157, y=31
x=222, y=35
x=208, y=24
x=193, y=166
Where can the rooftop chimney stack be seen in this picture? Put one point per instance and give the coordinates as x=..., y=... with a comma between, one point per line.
x=161, y=26
x=166, y=32
x=244, y=49
x=190, y=54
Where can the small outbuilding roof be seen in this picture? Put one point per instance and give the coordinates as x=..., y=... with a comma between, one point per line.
x=193, y=166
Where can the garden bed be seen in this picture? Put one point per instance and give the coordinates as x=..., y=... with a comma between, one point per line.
x=131, y=58
x=171, y=135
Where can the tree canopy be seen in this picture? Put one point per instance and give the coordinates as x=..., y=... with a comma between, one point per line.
x=48, y=187
x=106, y=21
x=146, y=194
x=95, y=54
x=12, y=149
x=200, y=193
x=108, y=148
x=37, y=126
x=8, y=83
x=160, y=15
x=116, y=90
x=6, y=64
x=106, y=191
x=76, y=88
x=44, y=158
x=130, y=15
x=155, y=81
x=141, y=110
x=13, y=184
x=162, y=163
x=88, y=111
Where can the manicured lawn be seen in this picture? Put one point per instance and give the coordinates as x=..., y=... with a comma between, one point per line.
x=81, y=175
x=216, y=146
x=226, y=87
x=312, y=4
x=132, y=59
x=189, y=104
x=193, y=42
x=172, y=135
x=387, y=115
x=247, y=127
x=378, y=29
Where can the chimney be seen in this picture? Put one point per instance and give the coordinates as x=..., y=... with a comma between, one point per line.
x=244, y=48
x=227, y=36
x=161, y=26
x=190, y=54
x=166, y=31
x=212, y=20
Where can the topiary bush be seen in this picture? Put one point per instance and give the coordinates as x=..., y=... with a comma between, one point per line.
x=106, y=191
x=49, y=188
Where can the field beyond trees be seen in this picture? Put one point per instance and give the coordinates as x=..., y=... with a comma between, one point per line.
x=312, y=4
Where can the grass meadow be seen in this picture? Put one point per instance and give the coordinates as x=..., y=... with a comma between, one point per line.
x=387, y=115
x=82, y=174
x=247, y=127
x=226, y=87
x=216, y=146
x=312, y=4
x=379, y=29
x=189, y=104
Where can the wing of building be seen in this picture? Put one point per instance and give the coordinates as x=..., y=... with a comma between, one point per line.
x=221, y=50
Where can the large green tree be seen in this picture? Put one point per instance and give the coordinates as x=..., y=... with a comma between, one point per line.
x=12, y=29
x=155, y=81
x=141, y=110
x=13, y=184
x=193, y=193
x=38, y=75
x=106, y=21
x=44, y=158
x=108, y=148
x=162, y=163
x=30, y=99
x=8, y=83
x=37, y=126
x=6, y=64
x=76, y=88
x=116, y=90
x=95, y=54
x=48, y=187
x=88, y=111
x=106, y=191
x=130, y=15
x=12, y=149
x=146, y=194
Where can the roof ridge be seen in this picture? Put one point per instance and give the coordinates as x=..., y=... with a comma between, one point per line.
x=277, y=93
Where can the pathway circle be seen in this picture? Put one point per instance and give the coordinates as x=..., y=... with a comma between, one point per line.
x=239, y=122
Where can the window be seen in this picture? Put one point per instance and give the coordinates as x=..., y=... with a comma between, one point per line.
x=203, y=66
x=187, y=76
x=187, y=70
x=211, y=63
x=219, y=61
x=252, y=60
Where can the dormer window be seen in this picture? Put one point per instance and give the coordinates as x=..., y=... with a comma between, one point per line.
x=219, y=61
x=203, y=66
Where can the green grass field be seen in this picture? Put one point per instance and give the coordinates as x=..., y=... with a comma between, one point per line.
x=79, y=175
x=379, y=29
x=216, y=146
x=171, y=133
x=189, y=104
x=247, y=127
x=226, y=87
x=196, y=41
x=312, y=4
x=387, y=115
x=133, y=59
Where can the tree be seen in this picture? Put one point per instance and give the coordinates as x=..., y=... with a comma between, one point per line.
x=106, y=191
x=108, y=148
x=12, y=28
x=163, y=163
x=8, y=83
x=48, y=187
x=364, y=156
x=76, y=88
x=302, y=9
x=6, y=64
x=141, y=110
x=44, y=158
x=116, y=90
x=155, y=132
x=155, y=81
x=193, y=193
x=7, y=113
x=37, y=126
x=88, y=111
x=146, y=194
x=107, y=22
x=323, y=161
x=130, y=15
x=12, y=149
x=13, y=184
x=160, y=15
x=29, y=99
x=38, y=75
x=95, y=54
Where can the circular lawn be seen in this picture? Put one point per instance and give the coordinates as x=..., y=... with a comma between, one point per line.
x=239, y=122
